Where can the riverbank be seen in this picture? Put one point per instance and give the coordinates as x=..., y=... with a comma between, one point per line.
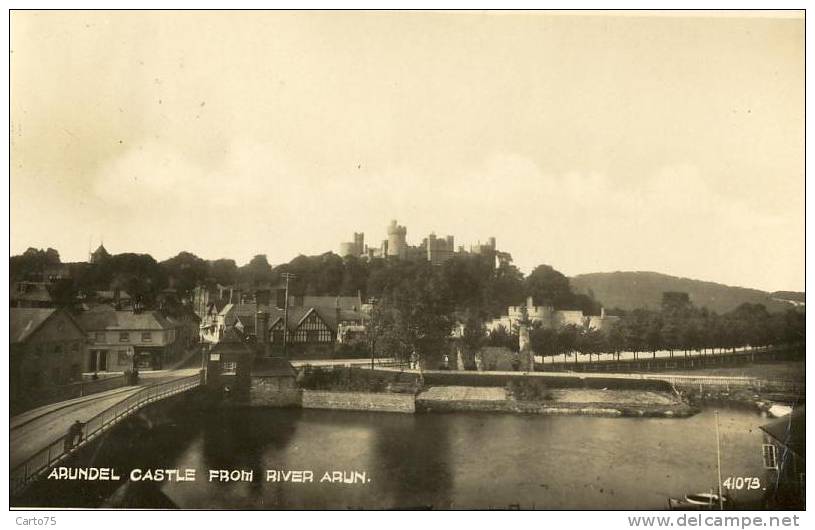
x=582, y=402
x=566, y=401
x=389, y=390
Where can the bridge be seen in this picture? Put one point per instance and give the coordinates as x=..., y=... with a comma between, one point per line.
x=37, y=447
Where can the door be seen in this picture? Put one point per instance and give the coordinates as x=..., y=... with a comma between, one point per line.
x=92, y=361
x=102, y=363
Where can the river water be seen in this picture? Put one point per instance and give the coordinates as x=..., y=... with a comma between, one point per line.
x=457, y=460
x=443, y=461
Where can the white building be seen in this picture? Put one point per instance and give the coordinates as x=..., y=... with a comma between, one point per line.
x=549, y=318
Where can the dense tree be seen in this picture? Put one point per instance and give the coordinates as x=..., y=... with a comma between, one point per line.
x=474, y=336
x=31, y=264
x=547, y=286
x=185, y=271
x=418, y=304
x=223, y=271
x=421, y=317
x=256, y=272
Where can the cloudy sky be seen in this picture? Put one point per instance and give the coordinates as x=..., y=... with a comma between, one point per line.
x=592, y=143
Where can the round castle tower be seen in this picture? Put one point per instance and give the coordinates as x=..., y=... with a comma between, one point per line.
x=397, y=236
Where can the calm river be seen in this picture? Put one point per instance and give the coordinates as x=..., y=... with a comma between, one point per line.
x=461, y=460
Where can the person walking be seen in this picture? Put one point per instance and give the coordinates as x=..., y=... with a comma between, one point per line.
x=74, y=435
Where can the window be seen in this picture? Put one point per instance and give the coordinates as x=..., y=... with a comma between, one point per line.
x=124, y=336
x=770, y=454
x=57, y=348
x=99, y=336
x=228, y=367
x=312, y=336
x=147, y=337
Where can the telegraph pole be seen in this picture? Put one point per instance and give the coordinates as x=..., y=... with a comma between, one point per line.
x=287, y=276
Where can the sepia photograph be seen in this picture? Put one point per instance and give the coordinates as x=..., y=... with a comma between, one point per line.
x=407, y=260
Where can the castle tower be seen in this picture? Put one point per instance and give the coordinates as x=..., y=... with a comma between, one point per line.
x=359, y=243
x=397, y=236
x=346, y=249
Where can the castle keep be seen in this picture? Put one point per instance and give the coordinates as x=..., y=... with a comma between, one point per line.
x=433, y=248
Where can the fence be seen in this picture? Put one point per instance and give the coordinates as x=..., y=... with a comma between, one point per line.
x=22, y=475
x=729, y=383
x=678, y=362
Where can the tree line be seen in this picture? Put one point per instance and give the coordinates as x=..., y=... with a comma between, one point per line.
x=417, y=306
x=481, y=285
x=678, y=327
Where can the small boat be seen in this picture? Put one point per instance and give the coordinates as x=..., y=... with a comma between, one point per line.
x=777, y=410
x=697, y=501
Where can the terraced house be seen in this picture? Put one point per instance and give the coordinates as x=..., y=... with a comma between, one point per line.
x=47, y=350
x=315, y=324
x=115, y=337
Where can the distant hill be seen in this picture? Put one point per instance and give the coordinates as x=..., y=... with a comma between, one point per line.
x=790, y=296
x=630, y=290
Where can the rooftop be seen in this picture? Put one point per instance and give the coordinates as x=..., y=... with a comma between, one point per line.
x=25, y=321
x=790, y=431
x=124, y=320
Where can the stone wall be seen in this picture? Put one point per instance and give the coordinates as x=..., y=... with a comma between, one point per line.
x=500, y=379
x=381, y=402
x=273, y=392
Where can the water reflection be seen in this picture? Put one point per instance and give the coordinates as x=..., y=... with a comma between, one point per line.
x=473, y=460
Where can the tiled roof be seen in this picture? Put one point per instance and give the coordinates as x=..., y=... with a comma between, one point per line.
x=231, y=342
x=124, y=320
x=24, y=321
x=790, y=431
x=273, y=367
x=244, y=315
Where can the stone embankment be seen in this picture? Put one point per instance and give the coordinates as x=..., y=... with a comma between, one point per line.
x=589, y=402
x=557, y=394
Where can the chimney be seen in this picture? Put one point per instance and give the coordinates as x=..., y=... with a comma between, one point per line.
x=262, y=329
x=263, y=297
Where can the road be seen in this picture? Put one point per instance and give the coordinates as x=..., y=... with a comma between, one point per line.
x=35, y=429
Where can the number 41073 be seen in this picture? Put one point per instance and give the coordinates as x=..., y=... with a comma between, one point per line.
x=742, y=483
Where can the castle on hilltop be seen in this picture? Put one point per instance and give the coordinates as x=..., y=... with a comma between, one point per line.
x=434, y=249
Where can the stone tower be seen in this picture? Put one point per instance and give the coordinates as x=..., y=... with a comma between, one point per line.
x=397, y=236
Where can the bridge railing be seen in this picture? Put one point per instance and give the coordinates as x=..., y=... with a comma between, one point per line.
x=56, y=451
